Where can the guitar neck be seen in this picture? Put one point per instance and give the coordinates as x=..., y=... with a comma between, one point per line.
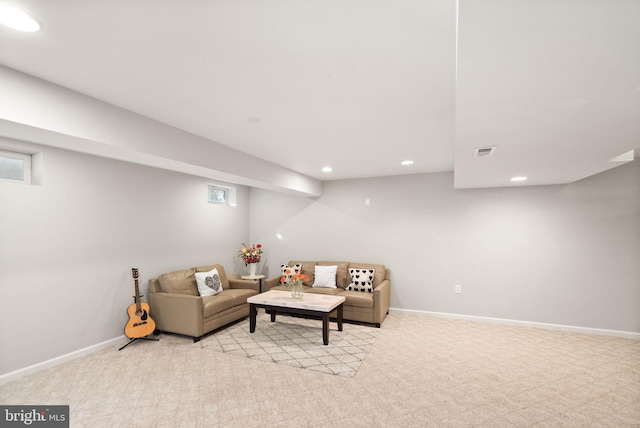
x=137, y=295
x=134, y=272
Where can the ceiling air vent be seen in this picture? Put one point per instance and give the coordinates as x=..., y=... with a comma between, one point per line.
x=479, y=152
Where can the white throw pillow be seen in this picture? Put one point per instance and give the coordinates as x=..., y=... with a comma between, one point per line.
x=361, y=280
x=325, y=276
x=209, y=283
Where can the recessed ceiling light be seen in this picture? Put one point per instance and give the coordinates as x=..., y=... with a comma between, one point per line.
x=519, y=178
x=17, y=19
x=327, y=169
x=479, y=152
x=407, y=162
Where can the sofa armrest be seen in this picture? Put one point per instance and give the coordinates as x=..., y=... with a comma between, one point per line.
x=154, y=286
x=249, y=284
x=381, y=301
x=177, y=313
x=269, y=283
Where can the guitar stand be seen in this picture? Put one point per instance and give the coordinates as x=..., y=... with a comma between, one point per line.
x=155, y=338
x=139, y=338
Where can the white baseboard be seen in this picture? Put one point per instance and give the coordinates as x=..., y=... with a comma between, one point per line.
x=574, y=329
x=8, y=377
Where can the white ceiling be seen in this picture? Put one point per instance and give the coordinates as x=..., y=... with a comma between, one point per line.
x=361, y=85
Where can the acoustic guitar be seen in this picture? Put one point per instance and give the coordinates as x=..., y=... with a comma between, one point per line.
x=140, y=323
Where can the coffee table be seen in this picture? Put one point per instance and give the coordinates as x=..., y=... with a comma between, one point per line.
x=310, y=304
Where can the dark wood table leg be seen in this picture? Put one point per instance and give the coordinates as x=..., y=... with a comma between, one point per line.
x=339, y=318
x=273, y=315
x=325, y=328
x=252, y=317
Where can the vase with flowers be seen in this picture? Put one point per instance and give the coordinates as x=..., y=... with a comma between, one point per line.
x=251, y=255
x=294, y=282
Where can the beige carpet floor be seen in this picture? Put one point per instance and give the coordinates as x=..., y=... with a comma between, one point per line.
x=420, y=372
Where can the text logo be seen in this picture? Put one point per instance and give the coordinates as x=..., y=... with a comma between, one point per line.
x=34, y=416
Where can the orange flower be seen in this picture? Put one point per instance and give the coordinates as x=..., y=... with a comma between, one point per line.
x=300, y=276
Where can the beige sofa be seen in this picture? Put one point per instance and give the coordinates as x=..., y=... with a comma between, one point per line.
x=371, y=308
x=177, y=307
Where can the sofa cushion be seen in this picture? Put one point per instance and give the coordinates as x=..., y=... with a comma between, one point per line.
x=357, y=298
x=361, y=280
x=179, y=282
x=286, y=271
x=380, y=271
x=209, y=283
x=222, y=301
x=308, y=268
x=325, y=276
x=221, y=272
x=342, y=275
x=329, y=291
x=240, y=295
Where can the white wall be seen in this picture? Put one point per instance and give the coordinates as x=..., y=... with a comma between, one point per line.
x=565, y=254
x=67, y=248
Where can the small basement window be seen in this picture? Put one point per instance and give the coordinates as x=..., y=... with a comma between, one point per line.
x=217, y=195
x=15, y=167
x=221, y=194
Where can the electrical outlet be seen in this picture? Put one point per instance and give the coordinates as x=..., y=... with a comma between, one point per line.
x=457, y=288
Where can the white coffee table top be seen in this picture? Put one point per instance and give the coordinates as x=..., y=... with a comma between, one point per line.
x=310, y=301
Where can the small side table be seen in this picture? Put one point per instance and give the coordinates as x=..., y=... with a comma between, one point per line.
x=254, y=278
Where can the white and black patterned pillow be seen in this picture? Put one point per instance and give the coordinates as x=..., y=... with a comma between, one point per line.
x=286, y=272
x=361, y=280
x=214, y=283
x=209, y=283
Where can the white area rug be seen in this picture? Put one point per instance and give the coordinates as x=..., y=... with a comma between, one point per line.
x=297, y=342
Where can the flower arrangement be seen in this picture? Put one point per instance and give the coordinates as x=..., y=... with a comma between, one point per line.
x=250, y=254
x=293, y=280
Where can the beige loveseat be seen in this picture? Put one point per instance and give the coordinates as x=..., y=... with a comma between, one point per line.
x=371, y=308
x=177, y=307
